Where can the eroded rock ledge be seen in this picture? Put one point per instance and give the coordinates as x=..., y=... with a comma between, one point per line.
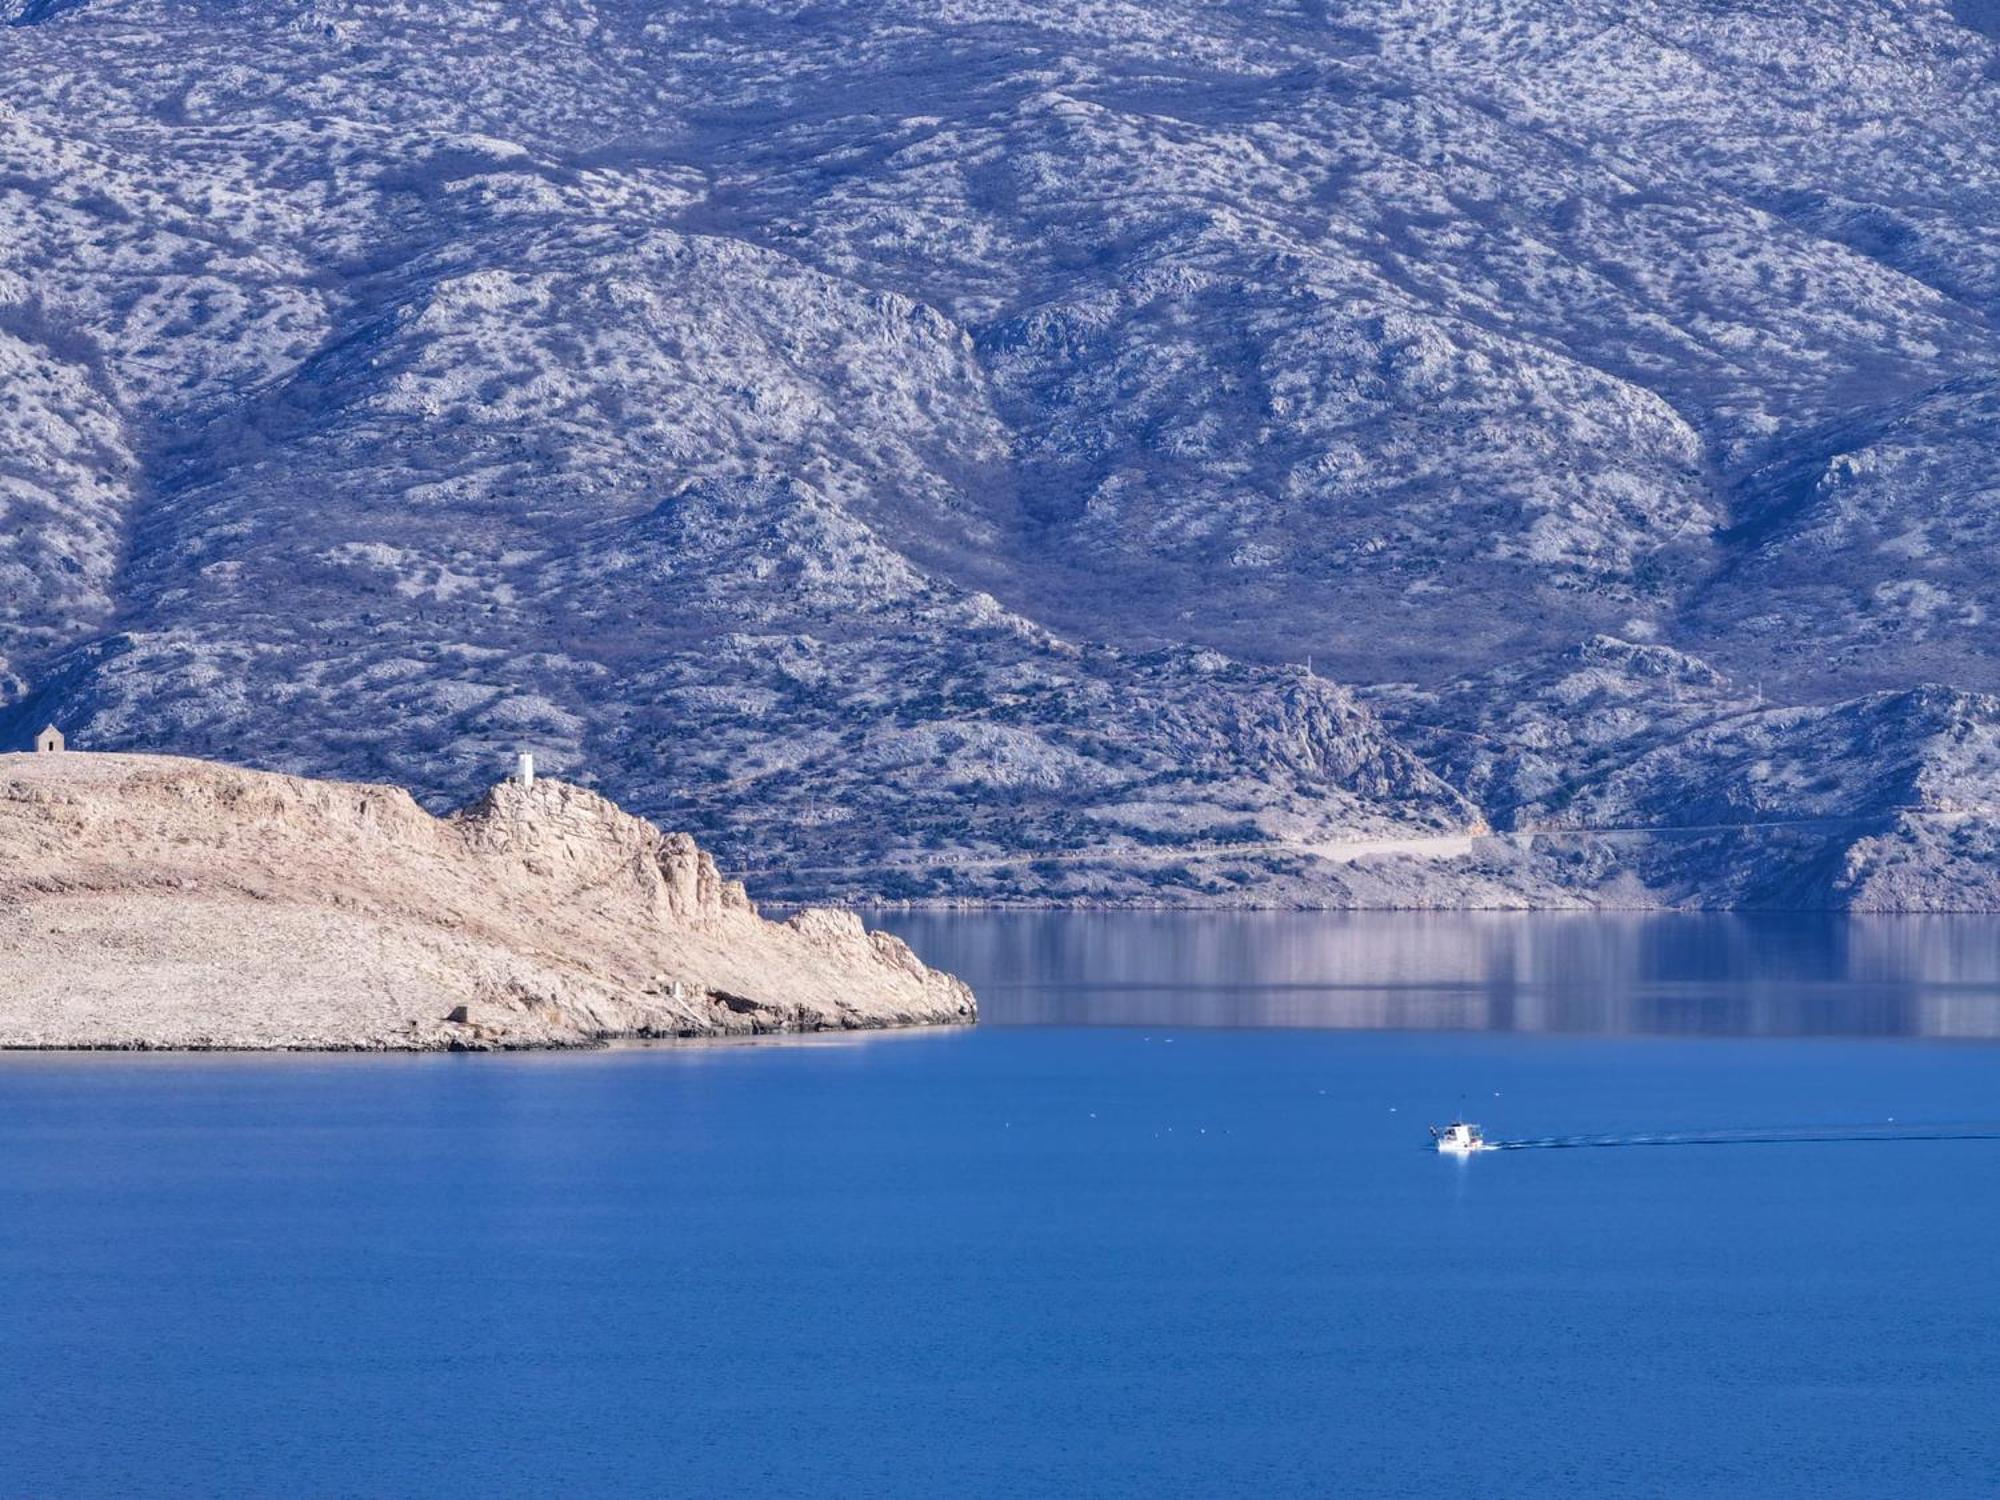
x=154, y=902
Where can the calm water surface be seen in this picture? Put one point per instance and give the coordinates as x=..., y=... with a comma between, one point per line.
x=1161, y=1227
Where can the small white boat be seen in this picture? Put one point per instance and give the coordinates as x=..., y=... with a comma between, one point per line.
x=1459, y=1138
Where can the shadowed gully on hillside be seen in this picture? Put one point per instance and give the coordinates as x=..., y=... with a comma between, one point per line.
x=920, y=447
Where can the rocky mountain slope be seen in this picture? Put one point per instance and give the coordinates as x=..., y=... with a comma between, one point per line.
x=149, y=901
x=919, y=446
x=1640, y=776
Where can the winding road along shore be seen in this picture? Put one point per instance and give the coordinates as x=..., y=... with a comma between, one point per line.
x=156, y=902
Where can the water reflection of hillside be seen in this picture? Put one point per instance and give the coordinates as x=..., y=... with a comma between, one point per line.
x=1630, y=973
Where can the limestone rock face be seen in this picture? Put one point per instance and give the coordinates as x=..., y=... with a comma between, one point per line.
x=557, y=830
x=988, y=450
x=1635, y=775
x=148, y=901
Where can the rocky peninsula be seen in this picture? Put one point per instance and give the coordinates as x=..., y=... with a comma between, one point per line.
x=156, y=902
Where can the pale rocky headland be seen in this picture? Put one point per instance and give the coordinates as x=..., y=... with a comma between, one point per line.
x=156, y=902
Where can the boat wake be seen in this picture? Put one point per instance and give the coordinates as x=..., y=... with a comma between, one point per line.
x=1794, y=1135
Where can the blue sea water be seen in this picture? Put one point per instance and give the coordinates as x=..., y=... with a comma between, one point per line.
x=1106, y=1244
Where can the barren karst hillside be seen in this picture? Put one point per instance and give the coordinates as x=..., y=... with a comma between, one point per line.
x=999, y=451
x=1344, y=653
x=157, y=902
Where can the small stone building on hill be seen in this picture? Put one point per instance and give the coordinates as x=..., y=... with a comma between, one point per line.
x=49, y=741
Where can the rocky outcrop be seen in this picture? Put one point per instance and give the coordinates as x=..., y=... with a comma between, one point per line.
x=148, y=901
x=1635, y=775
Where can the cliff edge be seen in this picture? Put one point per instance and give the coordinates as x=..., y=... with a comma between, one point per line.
x=154, y=902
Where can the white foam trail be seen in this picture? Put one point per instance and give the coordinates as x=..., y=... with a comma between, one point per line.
x=1780, y=1135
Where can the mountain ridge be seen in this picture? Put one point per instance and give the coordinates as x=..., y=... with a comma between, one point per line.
x=934, y=430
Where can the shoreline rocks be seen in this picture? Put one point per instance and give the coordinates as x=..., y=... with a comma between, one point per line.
x=150, y=902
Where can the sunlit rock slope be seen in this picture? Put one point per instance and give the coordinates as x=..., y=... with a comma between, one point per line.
x=151, y=901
